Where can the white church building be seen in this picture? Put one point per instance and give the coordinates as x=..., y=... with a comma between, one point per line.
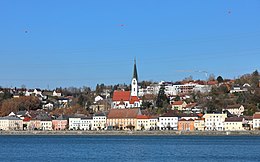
x=128, y=99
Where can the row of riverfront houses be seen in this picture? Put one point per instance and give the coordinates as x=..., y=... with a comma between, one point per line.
x=133, y=119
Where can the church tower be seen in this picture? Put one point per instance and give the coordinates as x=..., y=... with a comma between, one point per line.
x=134, y=84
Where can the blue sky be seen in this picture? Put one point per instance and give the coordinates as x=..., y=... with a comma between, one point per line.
x=83, y=43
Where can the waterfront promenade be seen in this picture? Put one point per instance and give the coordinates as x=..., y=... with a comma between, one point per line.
x=133, y=133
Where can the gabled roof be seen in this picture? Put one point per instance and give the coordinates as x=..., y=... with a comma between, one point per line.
x=178, y=103
x=236, y=106
x=123, y=113
x=121, y=95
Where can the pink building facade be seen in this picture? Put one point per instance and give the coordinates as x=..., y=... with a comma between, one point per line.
x=59, y=124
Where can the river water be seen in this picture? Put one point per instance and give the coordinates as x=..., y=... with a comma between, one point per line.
x=130, y=148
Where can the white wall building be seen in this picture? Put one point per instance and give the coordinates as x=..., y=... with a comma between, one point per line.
x=11, y=122
x=46, y=125
x=86, y=123
x=234, y=124
x=168, y=121
x=56, y=93
x=74, y=123
x=142, y=122
x=214, y=121
x=256, y=120
x=154, y=125
x=99, y=122
x=98, y=98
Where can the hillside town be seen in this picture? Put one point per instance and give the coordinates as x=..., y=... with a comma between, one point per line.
x=188, y=105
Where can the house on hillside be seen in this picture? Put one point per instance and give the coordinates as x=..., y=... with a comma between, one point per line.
x=98, y=98
x=57, y=93
x=102, y=105
x=237, y=109
x=179, y=105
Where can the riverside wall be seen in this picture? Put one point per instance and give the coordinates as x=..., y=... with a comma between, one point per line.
x=139, y=133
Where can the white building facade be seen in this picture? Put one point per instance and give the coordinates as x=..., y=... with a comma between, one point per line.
x=99, y=122
x=214, y=121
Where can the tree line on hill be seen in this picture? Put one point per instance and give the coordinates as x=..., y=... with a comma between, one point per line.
x=214, y=101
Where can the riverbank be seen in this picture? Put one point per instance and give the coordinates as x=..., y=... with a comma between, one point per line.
x=139, y=133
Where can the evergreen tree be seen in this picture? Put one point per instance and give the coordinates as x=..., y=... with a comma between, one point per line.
x=161, y=98
x=255, y=79
x=220, y=79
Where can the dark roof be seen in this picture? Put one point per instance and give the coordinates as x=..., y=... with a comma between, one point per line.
x=234, y=119
x=100, y=114
x=87, y=117
x=171, y=113
x=236, y=106
x=62, y=117
x=248, y=117
x=9, y=118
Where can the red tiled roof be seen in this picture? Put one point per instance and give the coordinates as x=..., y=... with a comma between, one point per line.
x=200, y=119
x=186, y=120
x=256, y=116
x=200, y=115
x=26, y=119
x=212, y=82
x=178, y=103
x=134, y=99
x=142, y=117
x=121, y=95
x=190, y=105
x=123, y=113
